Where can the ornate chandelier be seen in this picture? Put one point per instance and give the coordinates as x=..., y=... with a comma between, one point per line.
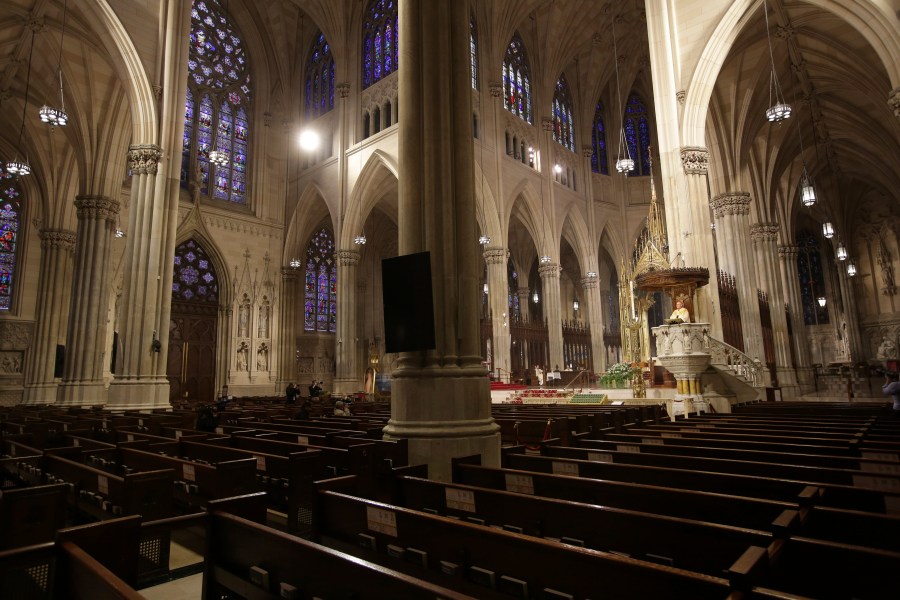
x=851, y=269
x=57, y=117
x=624, y=164
x=828, y=230
x=778, y=110
x=218, y=158
x=807, y=191
x=841, y=251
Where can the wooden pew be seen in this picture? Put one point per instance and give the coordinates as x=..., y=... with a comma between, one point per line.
x=31, y=515
x=484, y=561
x=240, y=550
x=788, y=490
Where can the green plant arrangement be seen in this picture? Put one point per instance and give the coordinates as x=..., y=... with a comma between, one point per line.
x=618, y=375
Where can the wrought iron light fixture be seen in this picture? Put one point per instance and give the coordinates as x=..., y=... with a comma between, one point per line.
x=828, y=230
x=851, y=269
x=778, y=110
x=295, y=263
x=218, y=158
x=624, y=163
x=360, y=240
x=58, y=117
x=841, y=251
x=16, y=166
x=575, y=304
x=821, y=301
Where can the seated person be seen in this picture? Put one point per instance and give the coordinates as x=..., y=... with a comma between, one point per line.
x=340, y=410
x=679, y=315
x=303, y=413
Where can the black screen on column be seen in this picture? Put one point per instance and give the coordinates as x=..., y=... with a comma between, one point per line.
x=408, y=303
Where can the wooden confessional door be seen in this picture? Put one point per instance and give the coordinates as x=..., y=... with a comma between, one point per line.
x=192, y=353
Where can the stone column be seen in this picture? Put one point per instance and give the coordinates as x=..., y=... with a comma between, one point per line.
x=594, y=304
x=82, y=382
x=854, y=339
x=553, y=314
x=54, y=286
x=350, y=374
x=441, y=398
x=287, y=337
x=689, y=233
x=498, y=301
x=790, y=279
x=764, y=236
x=732, y=212
x=524, y=301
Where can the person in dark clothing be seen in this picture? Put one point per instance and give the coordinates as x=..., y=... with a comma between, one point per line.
x=303, y=413
x=290, y=395
x=207, y=419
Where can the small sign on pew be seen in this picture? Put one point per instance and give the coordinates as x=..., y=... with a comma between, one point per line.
x=883, y=456
x=884, y=484
x=303, y=440
x=652, y=441
x=381, y=520
x=140, y=422
x=673, y=435
x=75, y=442
x=220, y=430
x=130, y=437
x=600, y=457
x=564, y=468
x=65, y=426
x=628, y=448
x=521, y=484
x=460, y=499
x=177, y=434
x=103, y=485
x=260, y=463
x=187, y=472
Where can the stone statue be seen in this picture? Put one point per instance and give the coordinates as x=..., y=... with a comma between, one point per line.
x=242, y=358
x=262, y=358
x=887, y=350
x=264, y=321
x=244, y=320
x=887, y=269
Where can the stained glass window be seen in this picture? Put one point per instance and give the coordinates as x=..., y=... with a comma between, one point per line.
x=812, y=278
x=599, y=162
x=637, y=135
x=219, y=76
x=473, y=52
x=563, y=127
x=194, y=279
x=10, y=219
x=512, y=281
x=319, y=78
x=379, y=41
x=320, y=302
x=517, y=80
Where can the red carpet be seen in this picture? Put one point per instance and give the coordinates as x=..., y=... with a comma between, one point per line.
x=501, y=387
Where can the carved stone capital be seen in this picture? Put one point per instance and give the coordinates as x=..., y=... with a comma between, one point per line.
x=731, y=203
x=587, y=151
x=57, y=238
x=495, y=256
x=96, y=207
x=680, y=95
x=289, y=273
x=496, y=89
x=343, y=89
x=695, y=160
x=143, y=159
x=547, y=123
x=590, y=282
x=348, y=258
x=548, y=270
x=894, y=101
x=788, y=251
x=764, y=232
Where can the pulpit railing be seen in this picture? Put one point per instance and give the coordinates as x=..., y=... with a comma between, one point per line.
x=730, y=358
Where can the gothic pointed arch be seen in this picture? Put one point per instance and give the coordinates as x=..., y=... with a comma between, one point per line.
x=377, y=180
x=310, y=211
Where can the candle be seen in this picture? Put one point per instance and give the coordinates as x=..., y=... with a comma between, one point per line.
x=631, y=287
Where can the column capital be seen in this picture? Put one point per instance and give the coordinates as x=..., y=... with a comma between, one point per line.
x=348, y=258
x=143, y=159
x=548, y=270
x=590, y=282
x=343, y=89
x=495, y=256
x=547, y=123
x=289, y=273
x=788, y=251
x=731, y=203
x=894, y=101
x=695, y=160
x=587, y=151
x=57, y=238
x=96, y=207
x=496, y=89
x=764, y=232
